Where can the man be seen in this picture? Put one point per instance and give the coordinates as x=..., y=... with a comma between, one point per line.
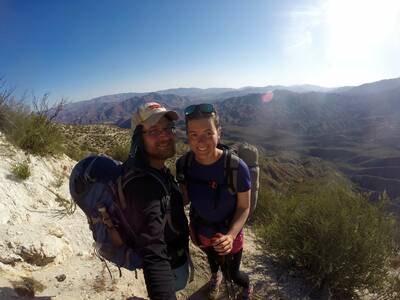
x=161, y=237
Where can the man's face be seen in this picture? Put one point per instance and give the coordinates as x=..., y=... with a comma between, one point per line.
x=159, y=140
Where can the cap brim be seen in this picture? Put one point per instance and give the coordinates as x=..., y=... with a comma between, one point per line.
x=170, y=114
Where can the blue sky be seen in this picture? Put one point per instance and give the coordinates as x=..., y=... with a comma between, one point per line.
x=82, y=49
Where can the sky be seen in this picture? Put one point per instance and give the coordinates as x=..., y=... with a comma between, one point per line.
x=78, y=50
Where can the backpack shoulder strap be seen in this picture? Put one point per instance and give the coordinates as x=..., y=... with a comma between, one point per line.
x=165, y=200
x=231, y=170
x=123, y=180
x=183, y=166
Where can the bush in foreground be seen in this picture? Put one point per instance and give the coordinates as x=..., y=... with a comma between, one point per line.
x=35, y=131
x=339, y=241
x=37, y=135
x=21, y=170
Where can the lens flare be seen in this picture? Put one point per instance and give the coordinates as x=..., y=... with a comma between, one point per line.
x=267, y=97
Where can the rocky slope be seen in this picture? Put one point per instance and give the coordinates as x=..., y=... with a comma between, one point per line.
x=46, y=247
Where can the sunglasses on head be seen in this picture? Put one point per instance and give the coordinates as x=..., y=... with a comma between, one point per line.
x=202, y=108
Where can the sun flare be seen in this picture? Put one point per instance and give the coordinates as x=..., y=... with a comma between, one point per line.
x=356, y=40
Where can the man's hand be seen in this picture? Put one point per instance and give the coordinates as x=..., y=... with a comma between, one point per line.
x=222, y=243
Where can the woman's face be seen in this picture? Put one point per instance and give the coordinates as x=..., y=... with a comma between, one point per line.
x=203, y=138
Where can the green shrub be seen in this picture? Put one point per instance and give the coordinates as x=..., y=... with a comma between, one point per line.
x=4, y=112
x=21, y=170
x=32, y=130
x=393, y=289
x=75, y=152
x=5, y=98
x=119, y=151
x=37, y=135
x=333, y=235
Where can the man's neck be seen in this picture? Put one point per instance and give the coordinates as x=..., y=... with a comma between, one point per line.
x=157, y=164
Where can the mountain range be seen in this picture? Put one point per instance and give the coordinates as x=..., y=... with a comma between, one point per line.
x=98, y=109
x=355, y=128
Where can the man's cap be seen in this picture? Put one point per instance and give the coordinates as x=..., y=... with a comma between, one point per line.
x=150, y=113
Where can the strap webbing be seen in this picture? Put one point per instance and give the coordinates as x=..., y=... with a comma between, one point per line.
x=121, y=196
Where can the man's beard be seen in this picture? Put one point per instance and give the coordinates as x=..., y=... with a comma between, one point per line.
x=162, y=154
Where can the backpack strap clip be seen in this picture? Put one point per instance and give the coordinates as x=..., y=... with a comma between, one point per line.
x=213, y=184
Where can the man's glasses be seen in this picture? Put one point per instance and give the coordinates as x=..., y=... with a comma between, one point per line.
x=158, y=132
x=202, y=108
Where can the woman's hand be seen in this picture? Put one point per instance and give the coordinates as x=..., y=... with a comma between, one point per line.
x=222, y=243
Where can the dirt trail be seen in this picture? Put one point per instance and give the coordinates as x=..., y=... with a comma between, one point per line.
x=268, y=280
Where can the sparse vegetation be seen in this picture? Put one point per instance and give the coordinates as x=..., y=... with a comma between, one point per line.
x=21, y=170
x=27, y=287
x=5, y=100
x=82, y=140
x=37, y=135
x=59, y=177
x=332, y=235
x=392, y=290
x=67, y=206
x=75, y=152
x=119, y=151
x=33, y=131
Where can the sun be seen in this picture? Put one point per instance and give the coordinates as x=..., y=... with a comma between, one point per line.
x=361, y=23
x=360, y=34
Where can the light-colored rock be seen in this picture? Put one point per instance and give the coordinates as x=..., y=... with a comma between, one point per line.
x=39, y=240
x=56, y=231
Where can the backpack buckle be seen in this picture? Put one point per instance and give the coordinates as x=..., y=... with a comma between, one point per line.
x=213, y=184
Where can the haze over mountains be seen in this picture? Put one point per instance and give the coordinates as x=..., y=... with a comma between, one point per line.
x=356, y=128
x=84, y=112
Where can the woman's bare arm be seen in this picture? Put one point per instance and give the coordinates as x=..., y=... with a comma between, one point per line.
x=223, y=245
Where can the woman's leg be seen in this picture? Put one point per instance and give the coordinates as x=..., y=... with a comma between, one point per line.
x=216, y=276
x=240, y=278
x=212, y=259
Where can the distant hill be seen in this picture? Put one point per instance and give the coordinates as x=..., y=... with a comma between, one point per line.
x=114, y=111
x=197, y=95
x=84, y=112
x=358, y=130
x=379, y=87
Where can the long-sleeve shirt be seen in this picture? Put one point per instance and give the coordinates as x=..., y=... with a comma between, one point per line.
x=159, y=246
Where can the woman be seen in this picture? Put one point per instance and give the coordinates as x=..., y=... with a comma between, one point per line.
x=217, y=215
